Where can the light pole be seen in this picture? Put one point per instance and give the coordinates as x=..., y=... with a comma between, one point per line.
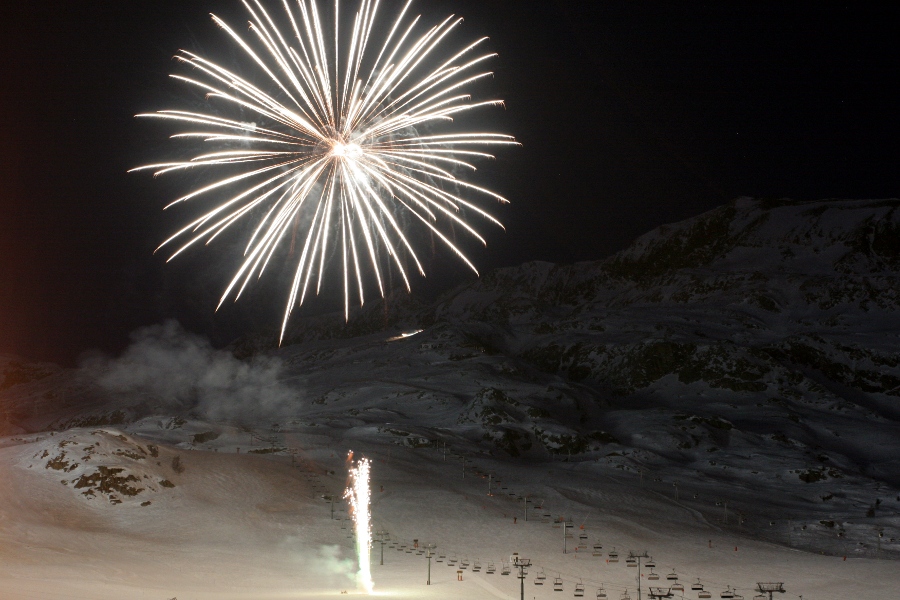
x=382, y=536
x=521, y=564
x=633, y=554
x=429, y=548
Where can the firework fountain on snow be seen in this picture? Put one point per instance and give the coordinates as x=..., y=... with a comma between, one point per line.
x=357, y=493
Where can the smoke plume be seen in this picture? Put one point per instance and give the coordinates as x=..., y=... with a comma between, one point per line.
x=171, y=368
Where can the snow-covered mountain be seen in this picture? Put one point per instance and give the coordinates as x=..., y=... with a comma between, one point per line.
x=746, y=359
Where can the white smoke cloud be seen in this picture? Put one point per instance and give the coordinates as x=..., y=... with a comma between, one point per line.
x=170, y=367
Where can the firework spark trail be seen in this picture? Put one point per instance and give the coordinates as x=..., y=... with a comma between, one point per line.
x=358, y=495
x=338, y=145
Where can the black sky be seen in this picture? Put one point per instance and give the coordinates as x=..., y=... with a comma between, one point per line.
x=632, y=114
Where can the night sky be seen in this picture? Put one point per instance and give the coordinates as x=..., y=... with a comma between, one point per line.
x=630, y=114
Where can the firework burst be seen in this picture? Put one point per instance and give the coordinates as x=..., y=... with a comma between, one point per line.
x=353, y=143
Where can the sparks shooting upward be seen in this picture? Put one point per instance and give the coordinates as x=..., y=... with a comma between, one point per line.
x=358, y=495
x=345, y=145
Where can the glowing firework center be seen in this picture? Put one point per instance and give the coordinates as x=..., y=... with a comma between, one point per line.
x=345, y=151
x=357, y=493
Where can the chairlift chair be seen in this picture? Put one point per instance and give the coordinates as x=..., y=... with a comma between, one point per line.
x=476, y=567
x=759, y=597
x=738, y=596
x=441, y=558
x=464, y=564
x=631, y=562
x=557, y=585
x=420, y=551
x=539, y=578
x=579, y=590
x=601, y=594
x=650, y=564
x=613, y=556
x=598, y=550
x=582, y=537
x=727, y=593
x=678, y=587
x=672, y=576
x=491, y=569
x=704, y=594
x=408, y=550
x=625, y=596
x=697, y=585
x=452, y=561
x=504, y=570
x=653, y=576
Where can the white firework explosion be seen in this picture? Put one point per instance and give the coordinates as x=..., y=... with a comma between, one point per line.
x=338, y=149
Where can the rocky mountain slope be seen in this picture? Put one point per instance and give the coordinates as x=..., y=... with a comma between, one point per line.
x=748, y=357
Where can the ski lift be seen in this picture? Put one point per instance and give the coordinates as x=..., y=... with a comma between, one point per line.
x=464, y=564
x=598, y=550
x=630, y=562
x=678, y=587
x=491, y=569
x=727, y=593
x=650, y=564
x=653, y=576
x=476, y=567
x=704, y=594
x=582, y=537
x=504, y=569
x=601, y=594
x=557, y=585
x=697, y=585
x=539, y=578
x=672, y=576
x=613, y=556
x=579, y=590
